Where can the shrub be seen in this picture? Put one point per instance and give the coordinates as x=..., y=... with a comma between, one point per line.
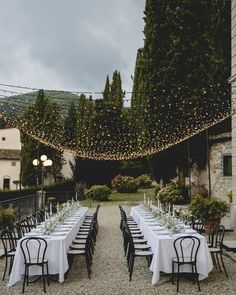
x=170, y=194
x=7, y=216
x=144, y=181
x=125, y=184
x=208, y=208
x=98, y=192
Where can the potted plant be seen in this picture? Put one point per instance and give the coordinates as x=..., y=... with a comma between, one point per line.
x=208, y=209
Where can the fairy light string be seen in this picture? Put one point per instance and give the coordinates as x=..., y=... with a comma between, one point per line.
x=144, y=129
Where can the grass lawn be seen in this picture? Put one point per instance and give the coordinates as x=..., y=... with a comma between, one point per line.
x=131, y=198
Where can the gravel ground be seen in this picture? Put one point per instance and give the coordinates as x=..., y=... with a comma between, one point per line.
x=110, y=275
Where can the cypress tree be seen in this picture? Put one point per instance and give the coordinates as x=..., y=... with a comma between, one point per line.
x=70, y=126
x=42, y=116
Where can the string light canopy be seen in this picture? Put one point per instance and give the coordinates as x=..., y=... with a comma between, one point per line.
x=103, y=132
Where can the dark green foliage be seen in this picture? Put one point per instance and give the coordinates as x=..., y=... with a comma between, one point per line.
x=98, y=192
x=2, y=123
x=125, y=184
x=7, y=216
x=70, y=126
x=170, y=194
x=144, y=181
x=208, y=208
x=96, y=172
x=134, y=167
x=182, y=69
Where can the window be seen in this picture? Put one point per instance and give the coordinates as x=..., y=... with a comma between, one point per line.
x=227, y=165
x=3, y=138
x=13, y=163
x=6, y=183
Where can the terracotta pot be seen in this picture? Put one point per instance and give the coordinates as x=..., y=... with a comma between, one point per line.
x=210, y=226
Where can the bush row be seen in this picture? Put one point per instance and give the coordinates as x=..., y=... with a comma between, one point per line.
x=129, y=184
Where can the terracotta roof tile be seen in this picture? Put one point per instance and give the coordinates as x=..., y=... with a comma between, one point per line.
x=9, y=154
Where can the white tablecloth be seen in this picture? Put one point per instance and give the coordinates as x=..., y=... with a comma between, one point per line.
x=163, y=249
x=57, y=246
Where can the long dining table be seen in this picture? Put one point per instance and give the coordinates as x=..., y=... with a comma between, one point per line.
x=58, y=243
x=161, y=242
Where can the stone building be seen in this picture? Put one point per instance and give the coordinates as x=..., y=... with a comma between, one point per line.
x=202, y=164
x=220, y=164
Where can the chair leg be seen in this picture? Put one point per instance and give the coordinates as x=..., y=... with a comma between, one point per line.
x=23, y=289
x=44, y=286
x=173, y=273
x=27, y=276
x=47, y=274
x=11, y=263
x=178, y=279
x=5, y=270
x=223, y=264
x=214, y=260
x=197, y=279
x=131, y=266
x=217, y=259
x=193, y=274
x=88, y=266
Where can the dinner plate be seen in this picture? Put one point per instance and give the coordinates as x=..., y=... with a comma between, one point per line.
x=163, y=232
x=190, y=231
x=59, y=233
x=157, y=228
x=62, y=230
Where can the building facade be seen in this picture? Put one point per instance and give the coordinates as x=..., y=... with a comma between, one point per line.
x=10, y=147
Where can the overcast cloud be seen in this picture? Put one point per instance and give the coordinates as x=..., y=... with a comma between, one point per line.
x=69, y=44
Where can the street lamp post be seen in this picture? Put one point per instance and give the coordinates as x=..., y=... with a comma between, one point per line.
x=43, y=162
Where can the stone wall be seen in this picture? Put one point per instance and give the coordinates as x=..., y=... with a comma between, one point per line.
x=220, y=185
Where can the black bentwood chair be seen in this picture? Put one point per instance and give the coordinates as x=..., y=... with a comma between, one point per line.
x=217, y=248
x=34, y=249
x=9, y=246
x=186, y=249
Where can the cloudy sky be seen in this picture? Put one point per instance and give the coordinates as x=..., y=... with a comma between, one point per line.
x=71, y=45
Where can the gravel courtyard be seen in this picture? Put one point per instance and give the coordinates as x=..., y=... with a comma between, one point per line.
x=110, y=274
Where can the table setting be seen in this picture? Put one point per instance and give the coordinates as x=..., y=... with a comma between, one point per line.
x=58, y=230
x=161, y=229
